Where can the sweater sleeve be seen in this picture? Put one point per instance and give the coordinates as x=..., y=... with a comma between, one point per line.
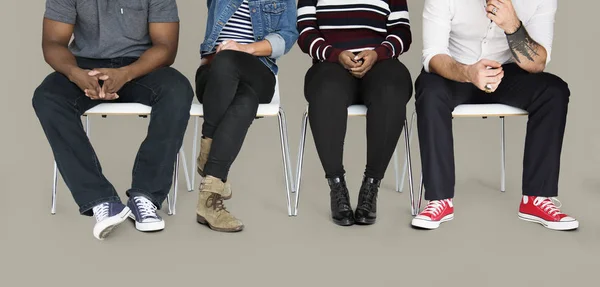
x=399, y=36
x=310, y=40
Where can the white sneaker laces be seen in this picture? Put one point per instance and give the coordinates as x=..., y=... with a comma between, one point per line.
x=146, y=207
x=434, y=207
x=101, y=211
x=548, y=205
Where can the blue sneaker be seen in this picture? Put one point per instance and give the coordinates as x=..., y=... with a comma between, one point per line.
x=144, y=214
x=108, y=216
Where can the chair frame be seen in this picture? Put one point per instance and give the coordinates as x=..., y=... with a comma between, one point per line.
x=502, y=116
x=399, y=184
x=180, y=155
x=283, y=136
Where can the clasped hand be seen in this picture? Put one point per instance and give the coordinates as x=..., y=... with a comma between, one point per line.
x=358, y=65
x=89, y=81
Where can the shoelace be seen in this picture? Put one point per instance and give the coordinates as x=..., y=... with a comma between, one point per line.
x=341, y=197
x=548, y=205
x=369, y=195
x=101, y=211
x=215, y=201
x=434, y=207
x=146, y=208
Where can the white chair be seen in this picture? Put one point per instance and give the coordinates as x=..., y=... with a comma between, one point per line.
x=483, y=111
x=355, y=110
x=271, y=109
x=125, y=109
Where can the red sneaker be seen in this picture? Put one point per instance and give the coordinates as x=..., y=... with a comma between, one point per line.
x=544, y=211
x=436, y=212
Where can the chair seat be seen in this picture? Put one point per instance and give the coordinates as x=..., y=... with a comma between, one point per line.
x=357, y=110
x=123, y=109
x=264, y=110
x=487, y=110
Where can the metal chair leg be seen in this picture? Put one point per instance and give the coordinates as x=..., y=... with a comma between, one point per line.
x=396, y=170
x=285, y=152
x=185, y=169
x=410, y=135
x=421, y=187
x=503, y=160
x=175, y=186
x=410, y=171
x=300, y=160
x=54, y=182
x=194, y=153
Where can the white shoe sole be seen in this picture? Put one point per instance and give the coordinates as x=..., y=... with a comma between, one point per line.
x=429, y=224
x=148, y=226
x=103, y=228
x=562, y=225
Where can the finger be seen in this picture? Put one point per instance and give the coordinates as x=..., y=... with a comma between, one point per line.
x=490, y=63
x=492, y=17
x=93, y=73
x=495, y=3
x=360, y=55
x=492, y=72
x=104, y=77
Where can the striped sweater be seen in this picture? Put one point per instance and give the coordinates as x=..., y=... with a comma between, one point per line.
x=329, y=27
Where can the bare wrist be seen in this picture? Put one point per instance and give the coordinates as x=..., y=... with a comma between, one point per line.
x=250, y=49
x=128, y=73
x=71, y=71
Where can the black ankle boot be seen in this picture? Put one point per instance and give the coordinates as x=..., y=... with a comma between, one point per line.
x=366, y=210
x=341, y=211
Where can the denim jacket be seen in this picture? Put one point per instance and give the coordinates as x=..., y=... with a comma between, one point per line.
x=272, y=20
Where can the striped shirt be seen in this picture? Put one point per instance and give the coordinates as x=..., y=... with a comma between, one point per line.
x=238, y=28
x=329, y=27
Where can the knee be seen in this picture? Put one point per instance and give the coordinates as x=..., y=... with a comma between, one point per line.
x=556, y=88
x=431, y=92
x=224, y=62
x=175, y=87
x=42, y=102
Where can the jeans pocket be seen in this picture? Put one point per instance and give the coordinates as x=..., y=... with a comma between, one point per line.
x=133, y=18
x=272, y=13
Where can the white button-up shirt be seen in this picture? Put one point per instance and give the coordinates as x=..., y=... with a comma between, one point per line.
x=461, y=29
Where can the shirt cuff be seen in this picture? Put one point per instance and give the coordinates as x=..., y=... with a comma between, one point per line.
x=383, y=53
x=277, y=45
x=333, y=54
x=55, y=16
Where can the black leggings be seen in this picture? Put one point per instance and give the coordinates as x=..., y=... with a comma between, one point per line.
x=231, y=88
x=330, y=90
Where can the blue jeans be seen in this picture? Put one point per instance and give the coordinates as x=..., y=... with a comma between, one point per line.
x=59, y=104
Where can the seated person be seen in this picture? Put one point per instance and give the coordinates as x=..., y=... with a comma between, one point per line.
x=236, y=74
x=121, y=52
x=492, y=51
x=355, y=47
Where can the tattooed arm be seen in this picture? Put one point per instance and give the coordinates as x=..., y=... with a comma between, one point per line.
x=530, y=43
x=528, y=54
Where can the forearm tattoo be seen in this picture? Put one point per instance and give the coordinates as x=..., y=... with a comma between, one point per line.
x=520, y=42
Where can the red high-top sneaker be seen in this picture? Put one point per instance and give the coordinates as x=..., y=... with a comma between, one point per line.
x=436, y=212
x=544, y=211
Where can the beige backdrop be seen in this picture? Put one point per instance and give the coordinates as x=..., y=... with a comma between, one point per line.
x=485, y=246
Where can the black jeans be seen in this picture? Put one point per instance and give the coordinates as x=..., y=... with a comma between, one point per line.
x=231, y=87
x=330, y=90
x=59, y=104
x=544, y=96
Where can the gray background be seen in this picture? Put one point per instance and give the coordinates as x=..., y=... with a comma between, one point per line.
x=486, y=245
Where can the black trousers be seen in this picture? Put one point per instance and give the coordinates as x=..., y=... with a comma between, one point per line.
x=330, y=89
x=231, y=87
x=59, y=104
x=543, y=95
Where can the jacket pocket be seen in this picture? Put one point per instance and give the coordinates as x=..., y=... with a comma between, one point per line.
x=133, y=18
x=273, y=11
